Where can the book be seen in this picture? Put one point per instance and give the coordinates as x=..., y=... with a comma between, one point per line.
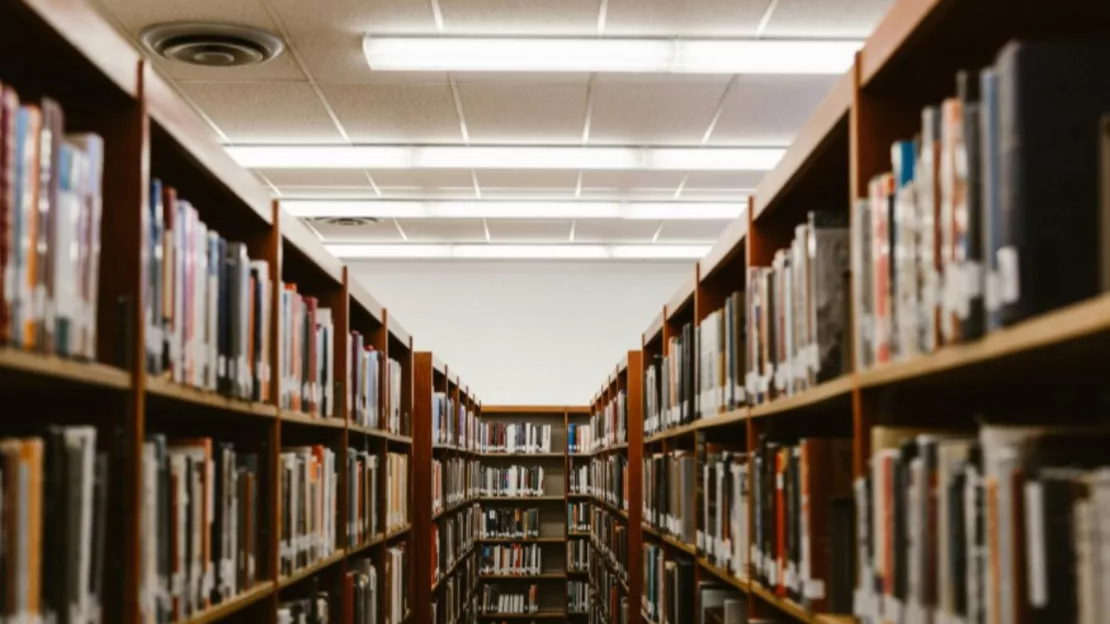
x=508, y=438
x=309, y=494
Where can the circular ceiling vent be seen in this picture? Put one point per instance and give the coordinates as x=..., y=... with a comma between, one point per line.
x=211, y=44
x=348, y=221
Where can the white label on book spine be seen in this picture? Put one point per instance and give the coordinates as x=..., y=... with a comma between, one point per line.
x=814, y=589
x=892, y=609
x=1035, y=544
x=1009, y=278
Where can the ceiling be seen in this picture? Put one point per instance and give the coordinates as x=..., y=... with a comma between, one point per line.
x=322, y=91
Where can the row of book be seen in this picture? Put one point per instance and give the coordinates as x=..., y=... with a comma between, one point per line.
x=397, y=491
x=721, y=338
x=610, y=423
x=578, y=480
x=612, y=598
x=723, y=535
x=668, y=586
x=511, y=481
x=609, y=536
x=578, y=517
x=670, y=501
x=309, y=503
x=512, y=559
x=494, y=598
x=54, y=493
x=609, y=480
x=455, y=602
x=1006, y=524
x=957, y=240
x=580, y=438
x=452, y=539
x=453, y=424
x=50, y=216
x=578, y=554
x=362, y=497
x=578, y=596
x=363, y=585
x=201, y=525
x=375, y=388
x=669, y=384
x=514, y=437
x=510, y=523
x=207, y=306
x=802, y=521
x=311, y=609
x=454, y=480
x=307, y=365
x=718, y=604
x=798, y=311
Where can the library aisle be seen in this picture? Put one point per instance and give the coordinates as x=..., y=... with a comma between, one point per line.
x=877, y=399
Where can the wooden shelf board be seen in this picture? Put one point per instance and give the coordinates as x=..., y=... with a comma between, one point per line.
x=309, y=570
x=522, y=577
x=611, y=507
x=683, y=297
x=453, y=508
x=724, y=575
x=795, y=610
x=377, y=540
x=364, y=299
x=723, y=419
x=232, y=605
x=51, y=368
x=839, y=388
x=315, y=421
x=521, y=499
x=523, y=540
x=674, y=432
x=582, y=496
x=394, y=534
x=378, y=433
x=167, y=389
x=571, y=534
x=451, y=571
x=655, y=330
x=728, y=245
x=297, y=234
x=397, y=330
x=1071, y=324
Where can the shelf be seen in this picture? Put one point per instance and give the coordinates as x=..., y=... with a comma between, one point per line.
x=723, y=419
x=232, y=605
x=450, y=571
x=574, y=572
x=378, y=433
x=682, y=298
x=542, y=615
x=668, y=539
x=452, y=508
x=521, y=499
x=839, y=389
x=309, y=570
x=46, y=370
x=674, y=432
x=655, y=330
x=170, y=390
x=795, y=610
x=377, y=540
x=523, y=540
x=611, y=507
x=724, y=575
x=299, y=418
x=571, y=534
x=392, y=535
x=522, y=577
x=573, y=495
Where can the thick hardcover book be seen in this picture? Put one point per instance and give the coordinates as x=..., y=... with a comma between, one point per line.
x=1051, y=95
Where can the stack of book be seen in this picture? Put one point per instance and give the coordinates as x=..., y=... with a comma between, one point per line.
x=454, y=480
x=362, y=497
x=397, y=491
x=578, y=596
x=580, y=439
x=578, y=555
x=370, y=406
x=396, y=583
x=612, y=599
x=723, y=536
x=721, y=604
x=307, y=367
x=54, y=491
x=802, y=529
x=50, y=205
x=512, y=559
x=722, y=354
x=610, y=537
x=312, y=609
x=797, y=311
x=609, y=480
x=444, y=423
x=511, y=523
x=360, y=593
x=452, y=538
x=495, y=599
x=201, y=523
x=579, y=482
x=669, y=494
x=206, y=308
x=652, y=599
x=309, y=489
x=578, y=517
x=669, y=385
x=455, y=595
x=512, y=481
x=610, y=424
x=514, y=438
x=957, y=240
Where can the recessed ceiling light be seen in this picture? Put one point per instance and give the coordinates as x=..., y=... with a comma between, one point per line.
x=484, y=157
x=491, y=209
x=520, y=252
x=697, y=56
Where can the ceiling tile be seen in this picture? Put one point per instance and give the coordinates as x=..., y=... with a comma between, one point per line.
x=694, y=231
x=699, y=18
x=524, y=112
x=384, y=113
x=768, y=110
x=443, y=230
x=378, y=232
x=822, y=18
x=652, y=111
x=270, y=112
x=632, y=179
x=723, y=180
x=529, y=230
x=422, y=178
x=316, y=177
x=519, y=17
x=527, y=178
x=614, y=230
x=328, y=35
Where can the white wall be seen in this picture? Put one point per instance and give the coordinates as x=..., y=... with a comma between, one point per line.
x=534, y=333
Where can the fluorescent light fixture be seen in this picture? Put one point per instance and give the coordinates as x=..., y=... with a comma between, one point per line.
x=694, y=56
x=519, y=252
x=506, y=157
x=493, y=209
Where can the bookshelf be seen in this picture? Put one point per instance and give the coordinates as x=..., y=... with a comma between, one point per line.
x=104, y=87
x=908, y=63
